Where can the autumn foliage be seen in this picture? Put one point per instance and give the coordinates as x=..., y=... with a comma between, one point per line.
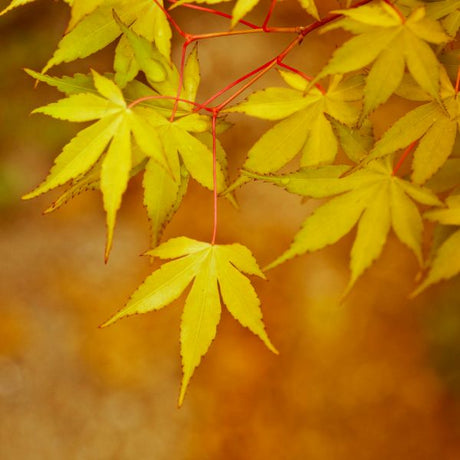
x=146, y=121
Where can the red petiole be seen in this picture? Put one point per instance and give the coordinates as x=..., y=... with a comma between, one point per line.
x=256, y=74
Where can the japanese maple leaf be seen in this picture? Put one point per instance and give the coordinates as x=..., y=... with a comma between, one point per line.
x=371, y=197
x=390, y=42
x=166, y=143
x=216, y=272
x=305, y=125
x=434, y=125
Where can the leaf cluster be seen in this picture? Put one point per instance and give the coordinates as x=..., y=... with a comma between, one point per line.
x=144, y=119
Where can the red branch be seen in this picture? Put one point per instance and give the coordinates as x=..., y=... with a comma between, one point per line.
x=396, y=9
x=457, y=83
x=214, y=174
x=405, y=154
x=251, y=76
x=216, y=12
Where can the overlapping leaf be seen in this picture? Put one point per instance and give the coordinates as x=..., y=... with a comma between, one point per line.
x=371, y=197
x=165, y=143
x=446, y=262
x=434, y=125
x=305, y=124
x=216, y=272
x=390, y=43
x=93, y=27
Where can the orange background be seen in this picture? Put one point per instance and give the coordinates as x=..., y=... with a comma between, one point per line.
x=377, y=377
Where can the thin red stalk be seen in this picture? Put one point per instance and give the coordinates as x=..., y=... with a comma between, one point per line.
x=405, y=154
x=396, y=9
x=229, y=33
x=150, y=98
x=181, y=78
x=457, y=83
x=234, y=83
x=303, y=75
x=214, y=173
x=171, y=20
x=269, y=15
x=269, y=65
x=217, y=13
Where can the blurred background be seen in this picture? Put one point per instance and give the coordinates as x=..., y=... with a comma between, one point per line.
x=377, y=377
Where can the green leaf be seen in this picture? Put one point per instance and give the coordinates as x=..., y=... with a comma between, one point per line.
x=114, y=177
x=211, y=267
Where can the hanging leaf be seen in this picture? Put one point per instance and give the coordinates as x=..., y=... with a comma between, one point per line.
x=371, y=196
x=305, y=124
x=212, y=268
x=391, y=44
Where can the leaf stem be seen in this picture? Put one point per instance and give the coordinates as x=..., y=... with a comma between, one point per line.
x=171, y=19
x=457, y=83
x=303, y=75
x=215, y=114
x=396, y=9
x=216, y=12
x=268, y=16
x=403, y=157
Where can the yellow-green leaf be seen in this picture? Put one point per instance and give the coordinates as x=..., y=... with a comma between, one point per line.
x=199, y=319
x=114, y=177
x=79, y=154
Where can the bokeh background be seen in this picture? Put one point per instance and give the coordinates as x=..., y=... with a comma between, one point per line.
x=376, y=377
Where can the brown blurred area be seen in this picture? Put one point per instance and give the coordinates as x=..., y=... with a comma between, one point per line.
x=377, y=377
